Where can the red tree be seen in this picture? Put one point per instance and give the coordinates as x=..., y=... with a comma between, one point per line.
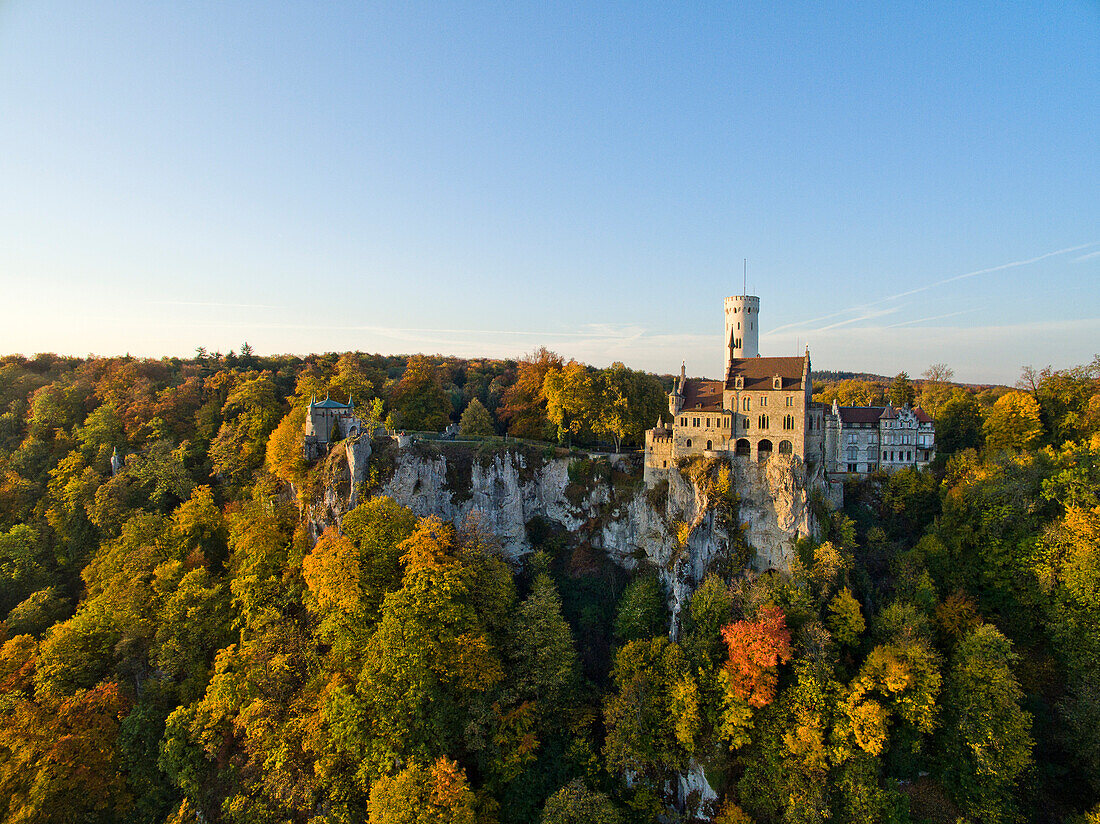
x=756, y=649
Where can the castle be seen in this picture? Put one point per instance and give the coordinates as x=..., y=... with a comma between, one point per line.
x=329, y=421
x=763, y=407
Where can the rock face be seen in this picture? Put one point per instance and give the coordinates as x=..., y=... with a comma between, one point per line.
x=677, y=532
x=775, y=506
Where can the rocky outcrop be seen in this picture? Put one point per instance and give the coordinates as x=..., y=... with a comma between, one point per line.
x=695, y=798
x=343, y=476
x=775, y=506
x=674, y=528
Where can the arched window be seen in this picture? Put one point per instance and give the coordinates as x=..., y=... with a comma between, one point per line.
x=743, y=448
x=689, y=443
x=746, y=426
x=762, y=422
x=745, y=404
x=785, y=448
x=764, y=450
x=709, y=445
x=788, y=422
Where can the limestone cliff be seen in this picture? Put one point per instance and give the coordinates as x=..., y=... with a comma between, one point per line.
x=680, y=527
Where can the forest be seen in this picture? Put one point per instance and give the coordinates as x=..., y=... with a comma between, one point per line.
x=178, y=648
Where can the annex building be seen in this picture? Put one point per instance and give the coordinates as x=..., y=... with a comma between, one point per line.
x=865, y=439
x=763, y=408
x=328, y=421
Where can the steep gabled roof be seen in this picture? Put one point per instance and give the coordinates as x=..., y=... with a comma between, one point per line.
x=922, y=416
x=702, y=396
x=760, y=372
x=861, y=414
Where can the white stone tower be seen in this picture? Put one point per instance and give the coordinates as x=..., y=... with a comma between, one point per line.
x=742, y=327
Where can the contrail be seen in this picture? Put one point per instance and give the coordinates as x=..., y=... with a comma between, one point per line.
x=933, y=317
x=933, y=285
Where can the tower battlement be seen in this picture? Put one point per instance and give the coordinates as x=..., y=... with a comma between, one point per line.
x=742, y=327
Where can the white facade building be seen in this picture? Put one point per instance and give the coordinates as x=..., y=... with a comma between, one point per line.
x=860, y=440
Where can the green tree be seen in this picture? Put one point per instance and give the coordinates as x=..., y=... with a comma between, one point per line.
x=417, y=695
x=351, y=380
x=959, y=423
x=650, y=727
x=642, y=612
x=985, y=742
x=40, y=611
x=419, y=399
x=545, y=660
x=845, y=618
x=901, y=391
x=575, y=803
x=475, y=420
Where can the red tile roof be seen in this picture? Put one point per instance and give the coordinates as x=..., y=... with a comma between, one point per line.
x=759, y=372
x=861, y=414
x=702, y=396
x=922, y=416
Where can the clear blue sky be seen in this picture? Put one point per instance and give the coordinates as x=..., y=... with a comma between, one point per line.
x=484, y=179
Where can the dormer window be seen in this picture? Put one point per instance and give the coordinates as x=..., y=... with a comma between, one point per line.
x=777, y=382
x=739, y=382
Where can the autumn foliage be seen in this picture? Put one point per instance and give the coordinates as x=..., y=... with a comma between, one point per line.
x=756, y=649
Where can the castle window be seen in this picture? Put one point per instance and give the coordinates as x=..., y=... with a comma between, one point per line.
x=785, y=448
x=708, y=423
x=664, y=464
x=746, y=424
x=738, y=326
x=788, y=421
x=689, y=443
x=763, y=422
x=708, y=445
x=745, y=404
x=763, y=400
x=790, y=401
x=884, y=456
x=683, y=421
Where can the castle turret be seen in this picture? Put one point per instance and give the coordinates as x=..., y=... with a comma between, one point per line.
x=742, y=327
x=676, y=396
